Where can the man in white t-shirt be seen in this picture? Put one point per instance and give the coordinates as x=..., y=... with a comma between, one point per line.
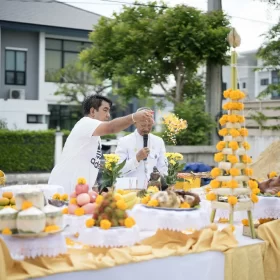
x=82, y=151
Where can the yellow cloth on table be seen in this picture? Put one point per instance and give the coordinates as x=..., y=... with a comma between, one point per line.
x=270, y=233
x=162, y=244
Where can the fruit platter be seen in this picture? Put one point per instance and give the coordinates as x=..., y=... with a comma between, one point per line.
x=177, y=200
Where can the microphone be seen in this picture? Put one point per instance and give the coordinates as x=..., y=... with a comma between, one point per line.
x=145, y=142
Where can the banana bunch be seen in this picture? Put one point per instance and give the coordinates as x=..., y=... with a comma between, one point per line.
x=131, y=199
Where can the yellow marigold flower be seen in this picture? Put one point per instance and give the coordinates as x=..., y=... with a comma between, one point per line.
x=6, y=231
x=64, y=197
x=99, y=199
x=26, y=205
x=243, y=131
x=65, y=211
x=105, y=224
x=208, y=189
x=232, y=228
x=232, y=118
x=278, y=194
x=215, y=172
x=215, y=184
x=56, y=196
x=218, y=157
x=234, y=172
x=90, y=223
x=185, y=205
x=256, y=190
x=245, y=222
x=241, y=119
x=227, y=93
x=272, y=174
x=221, y=145
x=236, y=95
x=232, y=184
x=246, y=159
x=51, y=228
x=254, y=198
x=211, y=196
x=120, y=191
x=227, y=106
x=223, y=120
x=118, y=196
x=233, y=145
x=232, y=159
x=232, y=200
x=234, y=132
x=223, y=132
x=81, y=181
x=79, y=212
x=129, y=222
x=121, y=205
x=178, y=156
x=253, y=184
x=153, y=203
x=73, y=200
x=145, y=199
x=248, y=171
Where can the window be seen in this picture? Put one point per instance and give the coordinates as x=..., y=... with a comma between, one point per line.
x=244, y=85
x=264, y=82
x=15, y=67
x=34, y=119
x=59, y=53
x=238, y=86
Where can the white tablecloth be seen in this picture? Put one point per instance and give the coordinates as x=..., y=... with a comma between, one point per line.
x=177, y=268
x=49, y=190
x=153, y=219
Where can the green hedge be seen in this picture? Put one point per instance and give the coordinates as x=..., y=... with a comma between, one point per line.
x=26, y=151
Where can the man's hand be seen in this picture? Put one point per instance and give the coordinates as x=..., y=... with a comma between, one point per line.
x=142, y=154
x=144, y=116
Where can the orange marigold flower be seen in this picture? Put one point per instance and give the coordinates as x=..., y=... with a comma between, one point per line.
x=218, y=157
x=256, y=190
x=232, y=158
x=215, y=172
x=246, y=159
x=232, y=118
x=233, y=145
x=223, y=132
x=234, y=132
x=121, y=205
x=65, y=211
x=232, y=200
x=272, y=174
x=215, y=184
x=232, y=184
x=185, y=205
x=6, y=231
x=105, y=224
x=227, y=93
x=153, y=203
x=211, y=196
x=79, y=212
x=245, y=222
x=223, y=120
x=248, y=171
x=221, y=145
x=243, y=131
x=241, y=119
x=129, y=222
x=90, y=223
x=253, y=184
x=73, y=200
x=254, y=198
x=234, y=172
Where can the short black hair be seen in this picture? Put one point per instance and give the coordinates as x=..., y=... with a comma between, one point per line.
x=94, y=101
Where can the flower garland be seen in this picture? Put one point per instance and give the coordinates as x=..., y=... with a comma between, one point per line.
x=232, y=155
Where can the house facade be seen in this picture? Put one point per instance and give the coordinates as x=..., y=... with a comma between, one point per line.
x=250, y=81
x=37, y=39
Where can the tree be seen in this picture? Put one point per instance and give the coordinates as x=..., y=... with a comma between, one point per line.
x=269, y=52
x=146, y=46
x=275, y=3
x=192, y=109
x=75, y=82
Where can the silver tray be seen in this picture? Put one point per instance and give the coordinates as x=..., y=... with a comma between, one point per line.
x=171, y=209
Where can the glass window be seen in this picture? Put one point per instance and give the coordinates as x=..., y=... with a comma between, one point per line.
x=70, y=58
x=244, y=85
x=53, y=62
x=72, y=46
x=15, y=67
x=264, y=82
x=53, y=44
x=10, y=60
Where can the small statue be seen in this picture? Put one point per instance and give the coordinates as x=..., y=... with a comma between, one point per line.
x=156, y=179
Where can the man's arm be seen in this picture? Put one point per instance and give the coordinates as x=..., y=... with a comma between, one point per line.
x=120, y=124
x=162, y=163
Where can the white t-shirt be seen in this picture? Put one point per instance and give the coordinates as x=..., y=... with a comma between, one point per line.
x=80, y=156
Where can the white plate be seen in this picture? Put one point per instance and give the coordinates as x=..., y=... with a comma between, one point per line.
x=171, y=209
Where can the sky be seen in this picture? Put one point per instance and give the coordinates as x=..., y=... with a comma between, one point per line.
x=251, y=18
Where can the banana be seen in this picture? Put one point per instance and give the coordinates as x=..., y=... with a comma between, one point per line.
x=131, y=203
x=129, y=196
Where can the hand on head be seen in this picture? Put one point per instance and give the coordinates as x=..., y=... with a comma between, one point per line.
x=144, y=116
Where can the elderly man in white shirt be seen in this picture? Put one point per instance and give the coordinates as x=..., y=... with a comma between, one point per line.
x=143, y=151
